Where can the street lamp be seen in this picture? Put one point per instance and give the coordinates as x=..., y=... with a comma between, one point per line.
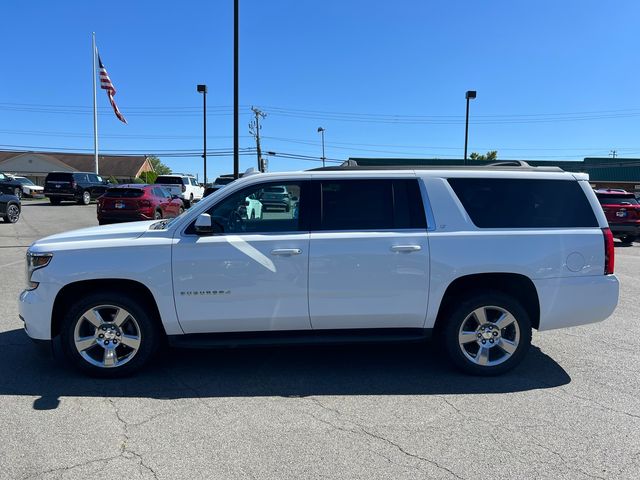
x=321, y=130
x=203, y=89
x=469, y=95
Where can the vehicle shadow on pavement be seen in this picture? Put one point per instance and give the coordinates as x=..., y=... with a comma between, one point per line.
x=399, y=369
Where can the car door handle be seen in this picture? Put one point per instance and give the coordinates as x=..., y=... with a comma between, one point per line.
x=286, y=251
x=406, y=248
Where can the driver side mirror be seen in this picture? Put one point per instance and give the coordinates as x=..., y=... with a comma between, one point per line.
x=204, y=225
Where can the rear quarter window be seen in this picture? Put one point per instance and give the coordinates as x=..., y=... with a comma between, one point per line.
x=524, y=203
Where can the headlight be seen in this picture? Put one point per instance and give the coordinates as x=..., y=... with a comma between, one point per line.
x=34, y=262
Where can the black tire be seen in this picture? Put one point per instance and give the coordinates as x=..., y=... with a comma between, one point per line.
x=461, y=313
x=85, y=198
x=180, y=211
x=150, y=334
x=157, y=215
x=54, y=201
x=628, y=239
x=13, y=213
x=18, y=192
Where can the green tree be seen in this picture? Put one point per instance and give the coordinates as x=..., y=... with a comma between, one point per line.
x=491, y=155
x=158, y=167
x=148, y=177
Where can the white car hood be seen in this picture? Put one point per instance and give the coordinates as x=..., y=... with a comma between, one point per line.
x=104, y=234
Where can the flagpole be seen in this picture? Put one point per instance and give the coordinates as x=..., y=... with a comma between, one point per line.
x=95, y=104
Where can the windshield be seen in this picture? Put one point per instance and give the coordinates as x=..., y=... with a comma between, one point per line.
x=169, y=180
x=124, y=193
x=628, y=199
x=224, y=180
x=24, y=181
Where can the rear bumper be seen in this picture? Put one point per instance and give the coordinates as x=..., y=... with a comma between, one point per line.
x=625, y=229
x=59, y=195
x=572, y=301
x=123, y=218
x=275, y=204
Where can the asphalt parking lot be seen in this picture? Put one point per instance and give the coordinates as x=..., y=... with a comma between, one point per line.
x=570, y=411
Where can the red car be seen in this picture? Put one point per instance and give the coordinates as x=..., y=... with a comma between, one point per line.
x=131, y=203
x=623, y=213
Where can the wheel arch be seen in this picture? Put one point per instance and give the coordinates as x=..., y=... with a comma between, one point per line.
x=516, y=285
x=78, y=289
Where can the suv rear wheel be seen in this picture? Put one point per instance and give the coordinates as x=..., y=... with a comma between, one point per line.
x=487, y=334
x=85, y=199
x=108, y=334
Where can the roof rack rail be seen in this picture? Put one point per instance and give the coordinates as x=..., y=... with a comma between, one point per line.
x=506, y=164
x=509, y=163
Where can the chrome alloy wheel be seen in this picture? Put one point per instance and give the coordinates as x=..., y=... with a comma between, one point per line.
x=86, y=198
x=13, y=213
x=107, y=336
x=489, y=336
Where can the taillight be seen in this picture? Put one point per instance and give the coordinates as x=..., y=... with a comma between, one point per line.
x=144, y=203
x=184, y=188
x=609, y=252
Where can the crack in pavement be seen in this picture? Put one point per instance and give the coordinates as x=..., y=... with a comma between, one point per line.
x=124, y=448
x=363, y=430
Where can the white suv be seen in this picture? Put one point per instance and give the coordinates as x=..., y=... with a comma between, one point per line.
x=475, y=257
x=184, y=186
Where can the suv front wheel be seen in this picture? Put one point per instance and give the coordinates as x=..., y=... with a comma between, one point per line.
x=108, y=334
x=487, y=334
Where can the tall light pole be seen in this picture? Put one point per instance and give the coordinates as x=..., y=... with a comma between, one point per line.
x=321, y=130
x=469, y=95
x=203, y=90
x=236, y=125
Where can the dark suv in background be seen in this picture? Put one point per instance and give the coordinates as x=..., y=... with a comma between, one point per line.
x=623, y=213
x=10, y=186
x=81, y=187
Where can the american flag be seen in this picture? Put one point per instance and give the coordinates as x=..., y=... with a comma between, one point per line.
x=105, y=83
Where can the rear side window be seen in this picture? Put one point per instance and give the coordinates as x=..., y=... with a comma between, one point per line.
x=524, y=203
x=371, y=205
x=124, y=193
x=81, y=177
x=169, y=180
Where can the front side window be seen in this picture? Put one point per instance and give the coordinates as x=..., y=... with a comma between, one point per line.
x=264, y=208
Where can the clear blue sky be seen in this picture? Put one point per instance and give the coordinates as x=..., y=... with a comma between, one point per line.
x=555, y=79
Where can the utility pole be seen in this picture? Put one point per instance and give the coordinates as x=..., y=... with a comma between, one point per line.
x=254, y=129
x=613, y=154
x=236, y=114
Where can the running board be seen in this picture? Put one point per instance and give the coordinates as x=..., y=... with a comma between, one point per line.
x=299, y=337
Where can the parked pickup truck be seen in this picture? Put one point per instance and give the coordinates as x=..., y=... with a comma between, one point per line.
x=184, y=186
x=472, y=257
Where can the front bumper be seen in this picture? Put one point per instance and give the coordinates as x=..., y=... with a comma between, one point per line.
x=35, y=309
